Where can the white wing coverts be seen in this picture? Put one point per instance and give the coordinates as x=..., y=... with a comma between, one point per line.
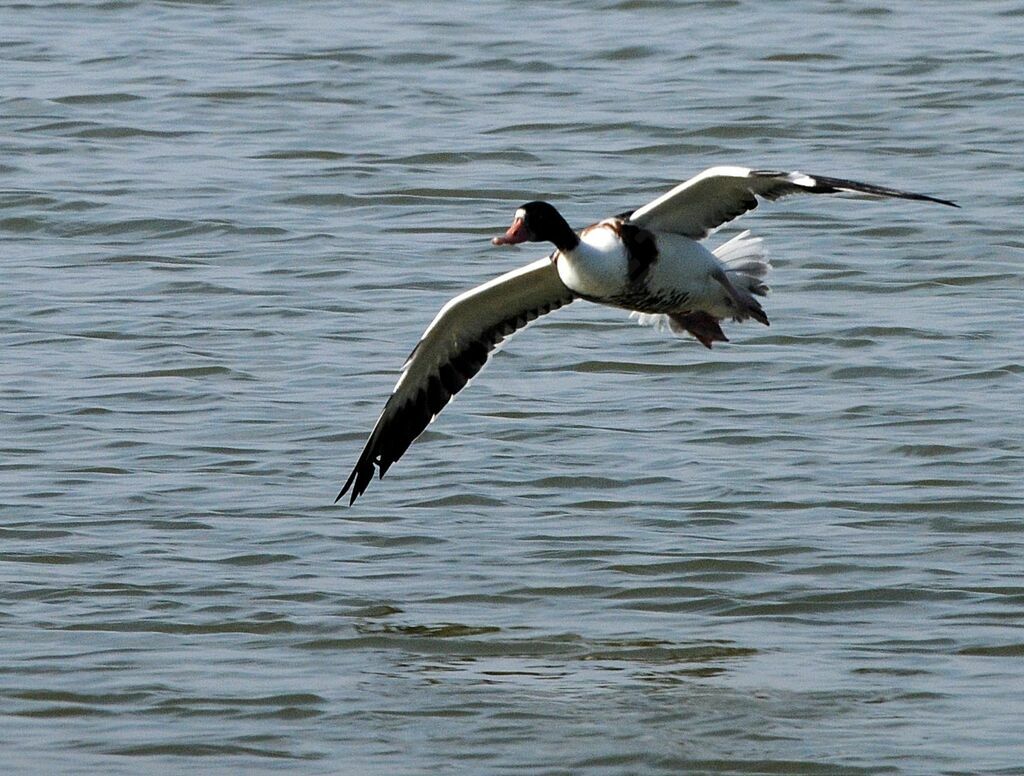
x=719, y=194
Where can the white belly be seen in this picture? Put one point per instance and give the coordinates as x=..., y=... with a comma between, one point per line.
x=685, y=265
x=680, y=277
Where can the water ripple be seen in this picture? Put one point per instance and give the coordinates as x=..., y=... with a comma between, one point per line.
x=225, y=225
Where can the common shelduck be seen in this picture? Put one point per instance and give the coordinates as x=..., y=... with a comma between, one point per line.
x=647, y=260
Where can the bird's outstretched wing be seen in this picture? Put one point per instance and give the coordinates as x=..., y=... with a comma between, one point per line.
x=454, y=347
x=719, y=194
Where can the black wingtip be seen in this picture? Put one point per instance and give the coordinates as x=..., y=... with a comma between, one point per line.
x=344, y=490
x=352, y=499
x=828, y=185
x=348, y=484
x=359, y=479
x=929, y=198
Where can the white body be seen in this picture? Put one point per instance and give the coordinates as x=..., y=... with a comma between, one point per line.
x=682, y=279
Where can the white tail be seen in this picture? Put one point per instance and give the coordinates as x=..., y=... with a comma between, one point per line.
x=745, y=262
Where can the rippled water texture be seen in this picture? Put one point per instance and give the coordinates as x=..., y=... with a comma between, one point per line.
x=224, y=225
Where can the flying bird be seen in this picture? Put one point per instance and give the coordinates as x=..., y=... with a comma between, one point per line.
x=648, y=261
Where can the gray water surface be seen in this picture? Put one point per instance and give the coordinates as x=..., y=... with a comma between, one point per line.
x=224, y=225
